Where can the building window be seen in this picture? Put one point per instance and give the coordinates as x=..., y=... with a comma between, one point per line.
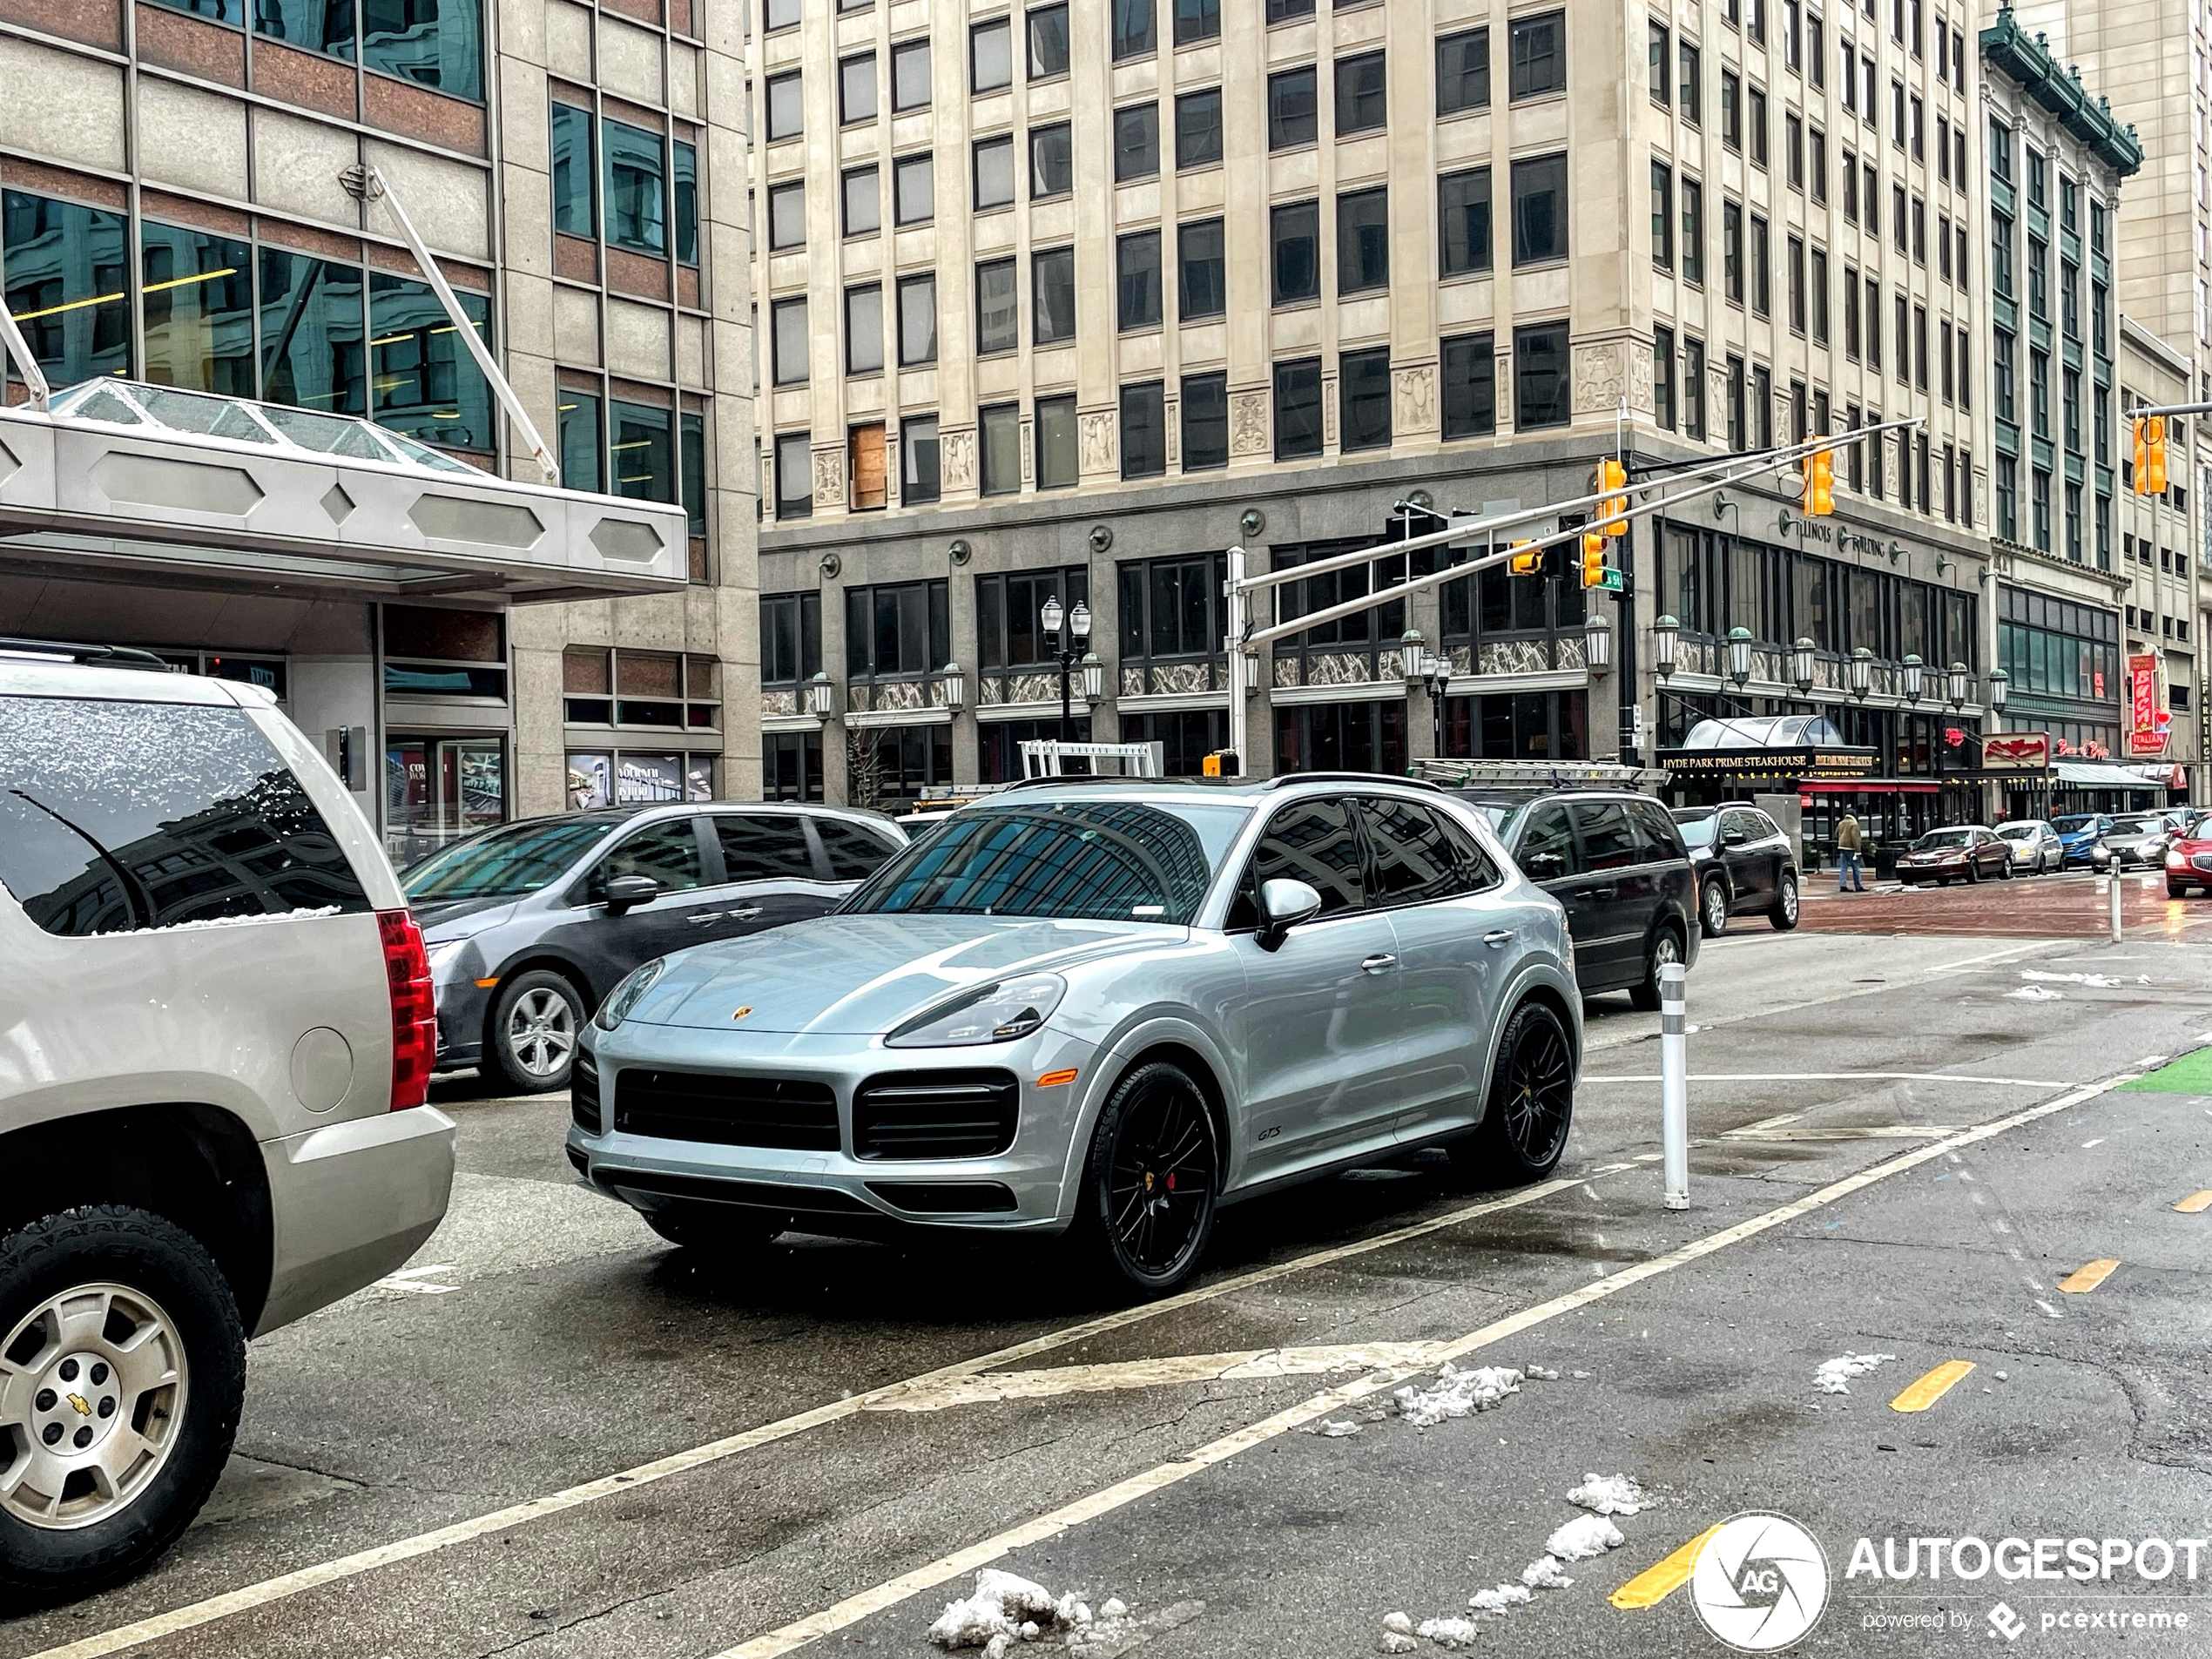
x=914, y=189
x=1136, y=269
x=1205, y=421
x=791, y=637
x=1363, y=240
x=1463, y=221
x=1762, y=406
x=863, y=202
x=1056, y=428
x=1052, y=296
x=1797, y=277
x=1663, y=376
x=917, y=319
x=998, y=436
x=1052, y=170
x=1732, y=111
x=1133, y=32
x=1469, y=370
x=1691, y=101
x=1662, y=216
x=1292, y=108
x=1197, y=128
x=1351, y=737
x=636, y=207
x=1463, y=71
x=581, y=441
x=899, y=630
x=990, y=56
x=1145, y=430
x=786, y=216
x=794, y=476
x=1819, y=281
x=1170, y=620
x=1762, y=269
x=864, y=329
x=786, y=106
x=643, y=451
x=1540, y=210
x=1363, y=395
x=1542, y=385
x=197, y=303
x=1204, y=273
x=1738, y=428
x=919, y=481
x=1693, y=387
x=1658, y=63
x=864, y=470
x=1536, y=56
x=856, y=89
x=791, y=765
x=1363, y=103
x=1732, y=252
x=1755, y=115
x=998, y=307
x=1048, y=31
x=1136, y=143
x=575, y=178
x=1197, y=20
x=910, y=75
x=994, y=173
x=1298, y=408
x=788, y=342
x=1693, y=232
x=1296, y=235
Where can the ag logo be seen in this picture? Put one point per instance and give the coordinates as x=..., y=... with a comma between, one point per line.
x=1760, y=1582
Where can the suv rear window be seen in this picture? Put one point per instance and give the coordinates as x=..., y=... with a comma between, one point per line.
x=116, y=816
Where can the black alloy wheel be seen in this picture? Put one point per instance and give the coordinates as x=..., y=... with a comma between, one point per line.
x=1531, y=1106
x=1152, y=1180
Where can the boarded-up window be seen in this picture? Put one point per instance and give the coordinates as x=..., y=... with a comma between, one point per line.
x=866, y=467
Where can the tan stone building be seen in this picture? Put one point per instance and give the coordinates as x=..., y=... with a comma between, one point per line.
x=1061, y=300
x=176, y=215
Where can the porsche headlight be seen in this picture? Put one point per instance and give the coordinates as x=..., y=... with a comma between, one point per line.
x=997, y=1013
x=625, y=996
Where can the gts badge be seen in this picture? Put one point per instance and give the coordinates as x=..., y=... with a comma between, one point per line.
x=1270, y=1132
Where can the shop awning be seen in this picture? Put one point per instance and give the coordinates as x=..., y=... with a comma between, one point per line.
x=2101, y=774
x=133, y=480
x=1789, y=746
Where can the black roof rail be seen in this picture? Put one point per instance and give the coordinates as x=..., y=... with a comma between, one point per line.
x=1284, y=780
x=104, y=656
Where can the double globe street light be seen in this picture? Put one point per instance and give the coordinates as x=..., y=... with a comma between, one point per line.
x=1070, y=648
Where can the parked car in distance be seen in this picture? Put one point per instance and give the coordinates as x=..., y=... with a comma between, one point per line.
x=2188, y=858
x=1744, y=862
x=2077, y=833
x=1099, y=1009
x=1963, y=852
x=1617, y=863
x=215, y=1038
x=530, y=924
x=2136, y=839
x=2035, y=846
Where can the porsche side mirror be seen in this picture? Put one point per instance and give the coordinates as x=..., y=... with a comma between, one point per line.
x=1283, y=903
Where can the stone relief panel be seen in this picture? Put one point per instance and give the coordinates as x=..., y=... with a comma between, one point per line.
x=956, y=459
x=1514, y=656
x=1601, y=376
x=1413, y=401
x=1286, y=671
x=1097, y=430
x=829, y=478
x=1329, y=409
x=1248, y=424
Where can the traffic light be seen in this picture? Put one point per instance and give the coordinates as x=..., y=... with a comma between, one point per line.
x=1820, y=484
x=1613, y=510
x=2150, y=454
x=1594, y=574
x=1531, y=562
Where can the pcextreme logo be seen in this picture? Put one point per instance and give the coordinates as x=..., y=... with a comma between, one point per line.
x=1760, y=1582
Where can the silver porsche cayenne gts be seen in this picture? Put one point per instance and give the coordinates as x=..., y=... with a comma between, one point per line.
x=1101, y=1008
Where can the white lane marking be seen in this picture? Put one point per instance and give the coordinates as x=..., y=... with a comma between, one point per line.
x=415, y=1280
x=1837, y=1076
x=1869, y=1132
x=196, y=1613
x=992, y=1386
x=854, y=1608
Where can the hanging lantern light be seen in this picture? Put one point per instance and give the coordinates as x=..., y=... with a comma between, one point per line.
x=2000, y=682
x=1597, y=643
x=1409, y=656
x=1739, y=656
x=1665, y=633
x=1862, y=673
x=956, y=683
x=1912, y=679
x=1957, y=683
x=1801, y=666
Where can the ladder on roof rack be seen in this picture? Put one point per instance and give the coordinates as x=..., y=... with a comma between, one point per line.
x=1538, y=774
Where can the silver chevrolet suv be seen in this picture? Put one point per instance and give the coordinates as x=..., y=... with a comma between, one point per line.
x=216, y=1033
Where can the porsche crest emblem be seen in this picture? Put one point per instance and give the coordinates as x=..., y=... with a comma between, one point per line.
x=742, y=1012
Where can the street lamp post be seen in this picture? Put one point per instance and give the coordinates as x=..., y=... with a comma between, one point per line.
x=1067, y=650
x=1437, y=671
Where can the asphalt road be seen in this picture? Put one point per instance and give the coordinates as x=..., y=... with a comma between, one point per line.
x=555, y=1434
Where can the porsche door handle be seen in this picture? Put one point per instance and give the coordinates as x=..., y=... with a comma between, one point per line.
x=1381, y=962
x=745, y=913
x=1503, y=936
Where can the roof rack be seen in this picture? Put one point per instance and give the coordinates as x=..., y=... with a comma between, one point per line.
x=104, y=656
x=1282, y=780
x=1534, y=774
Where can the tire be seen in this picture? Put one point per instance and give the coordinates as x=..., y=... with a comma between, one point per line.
x=1973, y=871
x=176, y=1373
x=1666, y=947
x=2004, y=870
x=531, y=1038
x=713, y=1229
x=1712, y=908
x=1151, y=1184
x=1531, y=1104
x=1784, y=916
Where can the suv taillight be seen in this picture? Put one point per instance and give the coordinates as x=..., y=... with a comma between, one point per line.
x=415, y=1008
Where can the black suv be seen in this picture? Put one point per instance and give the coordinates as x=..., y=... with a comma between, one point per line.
x=1615, y=860
x=1745, y=864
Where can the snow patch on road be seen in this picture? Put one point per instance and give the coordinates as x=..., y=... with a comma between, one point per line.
x=2036, y=994
x=1833, y=1376
x=1609, y=1495
x=1583, y=1539
x=2094, y=982
x=1448, y=1633
x=1544, y=1574
x=1457, y=1394
x=1005, y=1608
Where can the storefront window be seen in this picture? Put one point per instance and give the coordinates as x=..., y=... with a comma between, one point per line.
x=439, y=789
x=1523, y=725
x=1342, y=737
x=611, y=778
x=67, y=285
x=791, y=765
x=427, y=386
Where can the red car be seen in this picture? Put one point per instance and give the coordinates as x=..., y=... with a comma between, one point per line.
x=2189, y=860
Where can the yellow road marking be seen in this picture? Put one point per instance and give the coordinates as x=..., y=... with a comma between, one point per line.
x=1654, y=1584
x=2088, y=1276
x=1918, y=1397
x=2196, y=1201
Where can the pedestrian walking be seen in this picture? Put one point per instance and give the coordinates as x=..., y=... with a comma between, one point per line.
x=1848, y=868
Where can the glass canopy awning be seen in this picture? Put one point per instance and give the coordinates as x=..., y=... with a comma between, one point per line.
x=123, y=479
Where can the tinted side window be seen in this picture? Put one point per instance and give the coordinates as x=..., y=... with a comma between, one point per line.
x=668, y=852
x=1657, y=832
x=1548, y=838
x=1607, y=842
x=853, y=853
x=1472, y=868
x=1314, y=842
x=769, y=847
x=1412, y=858
x=115, y=816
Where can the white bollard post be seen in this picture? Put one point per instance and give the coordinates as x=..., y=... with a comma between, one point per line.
x=1673, y=1084
x=2113, y=891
